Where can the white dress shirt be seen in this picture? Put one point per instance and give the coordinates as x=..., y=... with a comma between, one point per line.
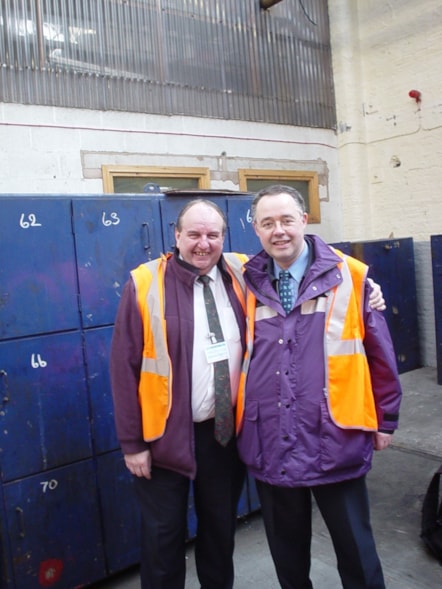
x=203, y=394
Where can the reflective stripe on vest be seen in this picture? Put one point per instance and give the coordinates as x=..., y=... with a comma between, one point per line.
x=155, y=386
x=235, y=263
x=349, y=392
x=250, y=335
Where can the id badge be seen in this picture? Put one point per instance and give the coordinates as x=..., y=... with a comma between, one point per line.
x=217, y=352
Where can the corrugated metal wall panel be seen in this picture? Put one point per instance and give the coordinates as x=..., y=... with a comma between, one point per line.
x=213, y=58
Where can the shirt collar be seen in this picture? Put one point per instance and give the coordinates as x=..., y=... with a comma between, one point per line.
x=298, y=267
x=213, y=274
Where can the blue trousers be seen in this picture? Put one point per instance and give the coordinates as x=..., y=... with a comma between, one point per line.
x=163, y=502
x=287, y=515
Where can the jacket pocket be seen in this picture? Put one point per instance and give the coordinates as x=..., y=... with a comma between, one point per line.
x=341, y=449
x=249, y=440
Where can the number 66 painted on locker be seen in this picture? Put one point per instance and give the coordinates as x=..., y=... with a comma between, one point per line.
x=38, y=362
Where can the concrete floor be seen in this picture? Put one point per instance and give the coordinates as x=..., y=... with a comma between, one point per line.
x=397, y=484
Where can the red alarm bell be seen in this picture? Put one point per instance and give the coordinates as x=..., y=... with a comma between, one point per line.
x=416, y=95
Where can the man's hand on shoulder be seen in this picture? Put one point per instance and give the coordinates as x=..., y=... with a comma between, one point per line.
x=376, y=300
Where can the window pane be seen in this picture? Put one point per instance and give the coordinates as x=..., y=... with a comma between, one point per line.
x=301, y=185
x=124, y=184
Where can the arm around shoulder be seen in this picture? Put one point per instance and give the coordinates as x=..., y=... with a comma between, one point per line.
x=384, y=374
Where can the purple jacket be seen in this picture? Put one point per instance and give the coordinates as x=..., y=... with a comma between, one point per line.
x=174, y=450
x=288, y=437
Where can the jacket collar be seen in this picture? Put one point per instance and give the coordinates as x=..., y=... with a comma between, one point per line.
x=319, y=275
x=188, y=273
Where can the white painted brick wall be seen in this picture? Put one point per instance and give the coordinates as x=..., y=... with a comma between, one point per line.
x=390, y=145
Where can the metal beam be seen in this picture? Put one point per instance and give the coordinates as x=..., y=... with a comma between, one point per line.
x=268, y=3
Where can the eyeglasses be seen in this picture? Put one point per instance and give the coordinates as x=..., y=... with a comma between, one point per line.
x=285, y=222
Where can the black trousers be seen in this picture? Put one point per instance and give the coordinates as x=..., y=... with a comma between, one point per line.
x=287, y=515
x=164, y=506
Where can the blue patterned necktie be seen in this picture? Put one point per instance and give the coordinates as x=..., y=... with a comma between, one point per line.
x=223, y=396
x=286, y=290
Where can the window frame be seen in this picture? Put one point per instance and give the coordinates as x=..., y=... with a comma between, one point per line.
x=109, y=172
x=279, y=176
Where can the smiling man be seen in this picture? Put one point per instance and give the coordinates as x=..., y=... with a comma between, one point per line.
x=163, y=359
x=321, y=393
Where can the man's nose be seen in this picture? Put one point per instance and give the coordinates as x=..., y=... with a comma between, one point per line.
x=203, y=241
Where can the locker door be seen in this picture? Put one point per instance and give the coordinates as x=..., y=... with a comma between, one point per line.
x=112, y=236
x=343, y=246
x=54, y=528
x=254, y=502
x=243, y=503
x=391, y=264
x=6, y=575
x=97, y=348
x=192, y=521
x=436, y=260
x=170, y=207
x=120, y=511
x=38, y=284
x=243, y=238
x=44, y=420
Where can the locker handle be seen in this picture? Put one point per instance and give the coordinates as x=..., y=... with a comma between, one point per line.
x=172, y=226
x=145, y=235
x=4, y=376
x=21, y=521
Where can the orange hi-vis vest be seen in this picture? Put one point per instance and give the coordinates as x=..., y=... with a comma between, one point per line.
x=155, y=385
x=348, y=383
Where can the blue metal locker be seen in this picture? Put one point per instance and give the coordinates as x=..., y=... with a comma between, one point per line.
x=436, y=260
x=243, y=238
x=44, y=421
x=69, y=517
x=343, y=246
x=97, y=348
x=391, y=263
x=254, y=502
x=192, y=521
x=120, y=512
x=5, y=555
x=172, y=204
x=112, y=236
x=38, y=283
x=54, y=529
x=243, y=503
